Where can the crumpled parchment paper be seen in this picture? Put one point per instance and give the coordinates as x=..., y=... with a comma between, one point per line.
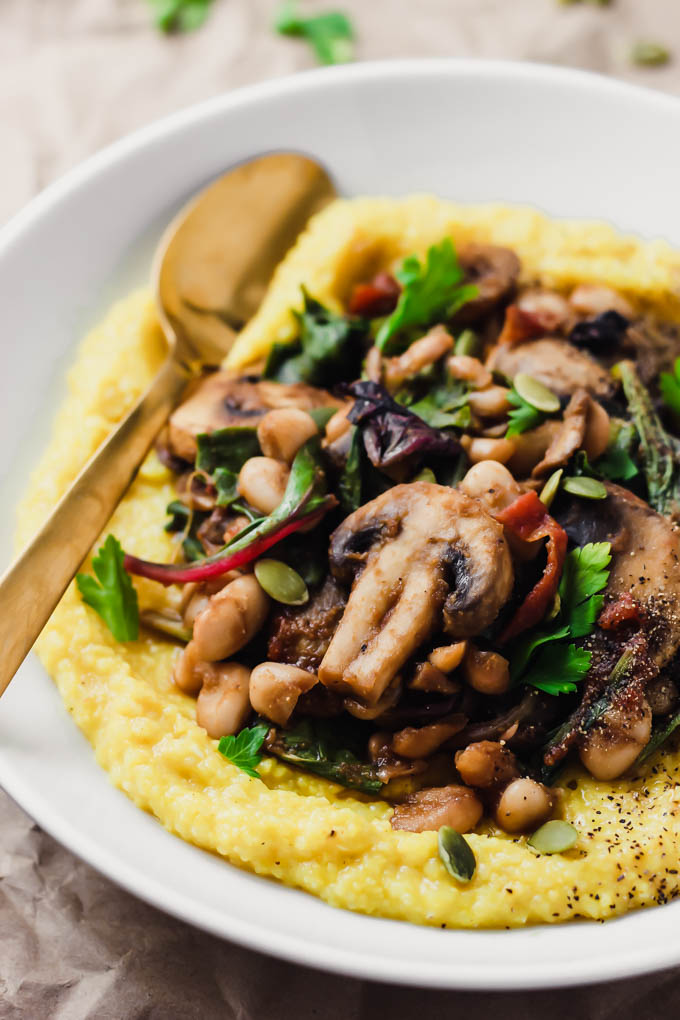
x=75, y=75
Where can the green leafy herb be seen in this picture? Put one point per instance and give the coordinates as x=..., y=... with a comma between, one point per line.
x=617, y=463
x=445, y=406
x=112, y=595
x=315, y=747
x=456, y=854
x=659, y=452
x=226, y=448
x=330, y=34
x=524, y=416
x=429, y=292
x=328, y=350
x=226, y=482
x=349, y=483
x=558, y=670
x=321, y=416
x=188, y=521
x=243, y=750
x=179, y=15
x=669, y=384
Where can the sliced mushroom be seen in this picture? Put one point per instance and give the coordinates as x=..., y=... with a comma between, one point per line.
x=556, y=363
x=645, y=558
x=427, y=810
x=222, y=399
x=494, y=271
x=571, y=436
x=429, y=558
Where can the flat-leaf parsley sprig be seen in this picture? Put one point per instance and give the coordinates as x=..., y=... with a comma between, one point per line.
x=243, y=750
x=557, y=670
x=112, y=594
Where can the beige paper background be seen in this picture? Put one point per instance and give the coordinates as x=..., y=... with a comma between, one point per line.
x=75, y=75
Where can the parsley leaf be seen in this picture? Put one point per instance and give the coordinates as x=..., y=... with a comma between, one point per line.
x=669, y=384
x=585, y=575
x=524, y=416
x=558, y=670
x=330, y=34
x=112, y=595
x=428, y=293
x=329, y=348
x=243, y=750
x=179, y=15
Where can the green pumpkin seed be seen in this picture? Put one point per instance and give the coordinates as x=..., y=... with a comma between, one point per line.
x=467, y=343
x=166, y=623
x=649, y=54
x=536, y=394
x=549, y=490
x=554, y=837
x=585, y=487
x=456, y=854
x=281, y=582
x=425, y=476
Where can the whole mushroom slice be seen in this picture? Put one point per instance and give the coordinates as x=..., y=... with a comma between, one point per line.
x=222, y=399
x=423, y=558
x=559, y=365
x=494, y=271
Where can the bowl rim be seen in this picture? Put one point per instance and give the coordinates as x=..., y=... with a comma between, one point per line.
x=305, y=950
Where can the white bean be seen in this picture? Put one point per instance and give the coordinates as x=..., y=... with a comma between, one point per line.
x=469, y=369
x=480, y=449
x=223, y=703
x=491, y=402
x=493, y=483
x=262, y=482
x=283, y=431
x=523, y=806
x=486, y=672
x=275, y=688
x=231, y=619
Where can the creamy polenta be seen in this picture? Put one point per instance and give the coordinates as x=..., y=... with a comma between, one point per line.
x=292, y=826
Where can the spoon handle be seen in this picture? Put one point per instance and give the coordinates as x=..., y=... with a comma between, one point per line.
x=31, y=588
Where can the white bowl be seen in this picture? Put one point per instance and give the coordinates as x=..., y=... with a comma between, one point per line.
x=570, y=143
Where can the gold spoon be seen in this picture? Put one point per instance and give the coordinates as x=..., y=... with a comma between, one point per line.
x=211, y=270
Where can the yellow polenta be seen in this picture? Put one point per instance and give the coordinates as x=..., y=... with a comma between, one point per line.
x=300, y=829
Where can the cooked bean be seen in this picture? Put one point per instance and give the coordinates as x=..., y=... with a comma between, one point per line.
x=493, y=483
x=262, y=482
x=231, y=619
x=594, y=299
x=613, y=744
x=223, y=703
x=283, y=431
x=448, y=657
x=491, y=402
x=196, y=604
x=524, y=805
x=479, y=449
x=531, y=447
x=338, y=424
x=550, y=309
x=275, y=688
x=427, y=677
x=486, y=763
x=373, y=365
x=470, y=370
x=598, y=430
x=486, y=672
x=427, y=810
x=418, y=355
x=422, y=741
x=186, y=672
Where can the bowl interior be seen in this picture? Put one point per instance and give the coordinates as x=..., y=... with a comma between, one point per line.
x=568, y=143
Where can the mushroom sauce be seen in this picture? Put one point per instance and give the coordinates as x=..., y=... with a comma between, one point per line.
x=411, y=557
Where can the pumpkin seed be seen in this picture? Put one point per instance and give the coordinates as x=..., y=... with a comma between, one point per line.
x=535, y=393
x=281, y=582
x=456, y=854
x=549, y=490
x=582, y=485
x=166, y=623
x=425, y=476
x=466, y=343
x=649, y=54
x=554, y=837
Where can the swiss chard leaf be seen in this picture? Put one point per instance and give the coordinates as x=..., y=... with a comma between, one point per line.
x=444, y=406
x=226, y=448
x=226, y=482
x=179, y=15
x=112, y=595
x=429, y=292
x=349, y=483
x=328, y=350
x=314, y=747
x=669, y=384
x=244, y=749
